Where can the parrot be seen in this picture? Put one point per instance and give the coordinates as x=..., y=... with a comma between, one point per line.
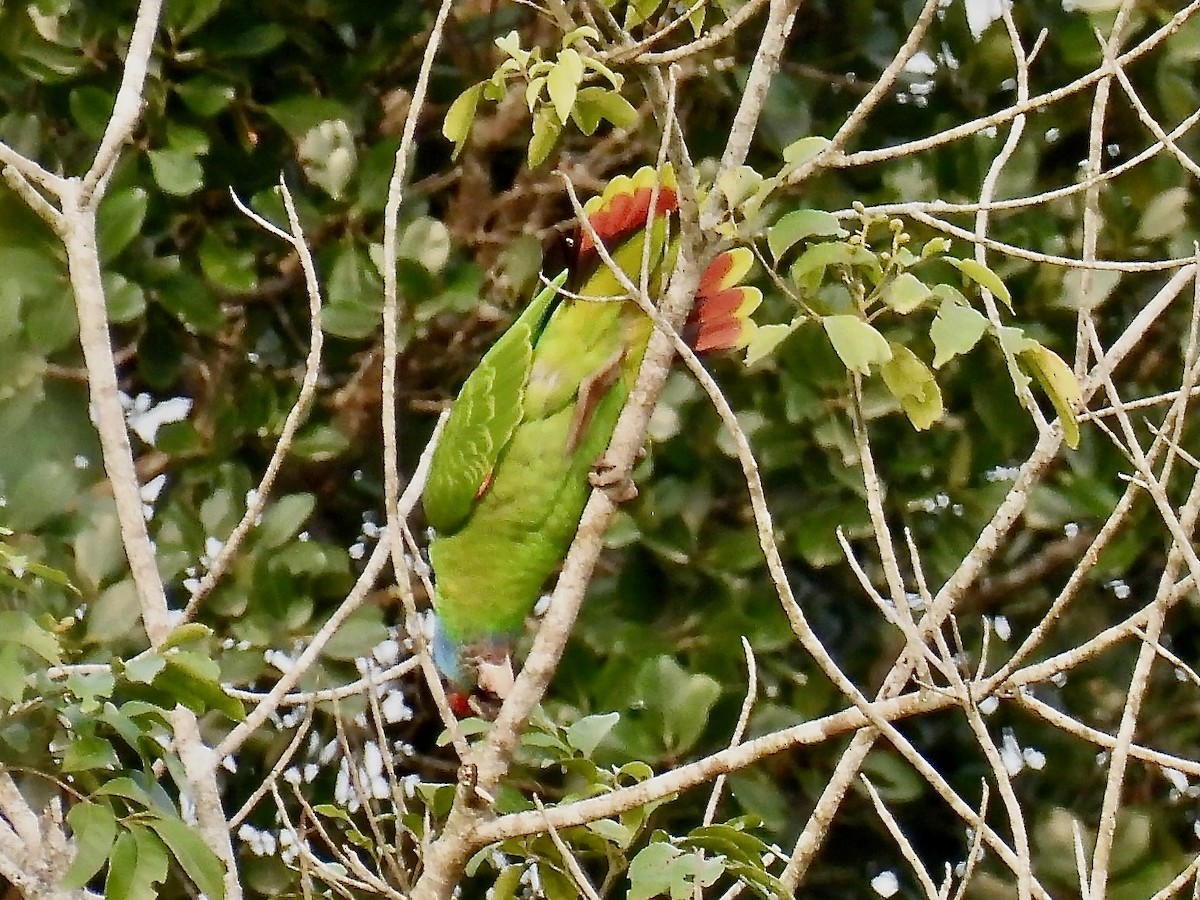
x=510, y=476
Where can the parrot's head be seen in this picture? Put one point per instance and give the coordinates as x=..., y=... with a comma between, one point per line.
x=479, y=669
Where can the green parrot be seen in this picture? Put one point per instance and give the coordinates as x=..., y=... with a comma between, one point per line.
x=510, y=477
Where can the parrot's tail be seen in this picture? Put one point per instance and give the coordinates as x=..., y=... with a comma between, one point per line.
x=720, y=318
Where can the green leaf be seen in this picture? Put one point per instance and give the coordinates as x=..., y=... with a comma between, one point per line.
x=683, y=699
x=91, y=107
x=197, y=860
x=738, y=184
x=858, y=344
x=728, y=841
x=177, y=172
x=766, y=338
x=425, y=241
x=14, y=676
x=935, y=247
x=614, y=832
x=144, y=667
x=122, y=867
x=89, y=752
x=354, y=279
x=351, y=322
x=533, y=93
x=1058, y=381
x=614, y=78
x=89, y=687
x=300, y=114
x=187, y=633
x=895, y=779
x=582, y=33
x=328, y=155
x=546, y=128
x=19, y=628
x=563, y=83
x=188, y=299
x=906, y=293
x=589, y=731
x=125, y=299
x=284, y=518
x=228, y=266
x=911, y=382
x=663, y=869
x=510, y=44
x=94, y=828
x=596, y=103
x=507, y=883
x=128, y=789
x=984, y=277
x=799, y=225
x=119, y=221
x=185, y=16
x=799, y=152
x=194, y=680
x=956, y=330
x=616, y=109
x=205, y=96
x=650, y=872
x=639, y=11
x=809, y=270
x=138, y=863
x=50, y=323
x=321, y=443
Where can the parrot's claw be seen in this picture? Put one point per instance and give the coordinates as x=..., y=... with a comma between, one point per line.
x=619, y=488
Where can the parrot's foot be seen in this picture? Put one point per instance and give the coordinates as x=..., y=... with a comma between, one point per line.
x=619, y=488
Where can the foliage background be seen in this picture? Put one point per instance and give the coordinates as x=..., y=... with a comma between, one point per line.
x=208, y=308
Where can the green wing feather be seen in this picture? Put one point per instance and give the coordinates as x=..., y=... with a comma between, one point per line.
x=482, y=421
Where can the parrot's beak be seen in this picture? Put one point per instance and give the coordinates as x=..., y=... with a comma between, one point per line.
x=495, y=675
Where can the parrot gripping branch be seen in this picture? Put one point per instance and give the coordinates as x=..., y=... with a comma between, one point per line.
x=527, y=434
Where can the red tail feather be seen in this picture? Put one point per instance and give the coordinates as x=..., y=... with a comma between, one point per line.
x=720, y=318
x=624, y=208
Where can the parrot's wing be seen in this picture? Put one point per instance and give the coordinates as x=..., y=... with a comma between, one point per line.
x=483, y=418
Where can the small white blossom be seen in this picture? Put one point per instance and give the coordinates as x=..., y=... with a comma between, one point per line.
x=1010, y=753
x=981, y=14
x=395, y=708
x=1035, y=759
x=885, y=884
x=386, y=652
x=921, y=63
x=145, y=418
